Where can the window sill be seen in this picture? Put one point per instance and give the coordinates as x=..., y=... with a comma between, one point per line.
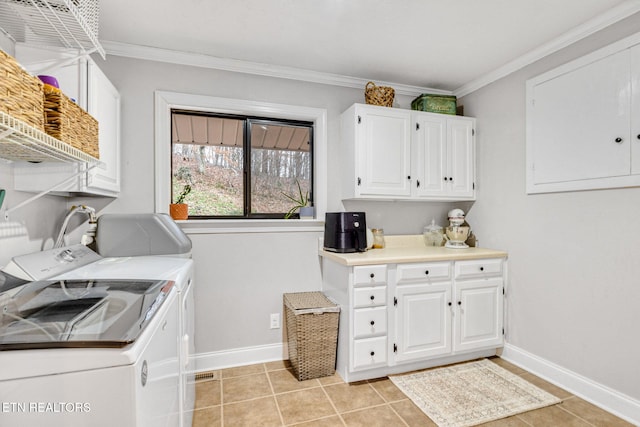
x=231, y=226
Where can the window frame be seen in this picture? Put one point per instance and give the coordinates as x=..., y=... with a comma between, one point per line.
x=247, y=149
x=165, y=102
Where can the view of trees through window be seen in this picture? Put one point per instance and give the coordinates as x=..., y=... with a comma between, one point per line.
x=240, y=167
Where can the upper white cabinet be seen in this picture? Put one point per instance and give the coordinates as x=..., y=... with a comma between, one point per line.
x=379, y=141
x=407, y=155
x=81, y=79
x=444, y=156
x=583, y=128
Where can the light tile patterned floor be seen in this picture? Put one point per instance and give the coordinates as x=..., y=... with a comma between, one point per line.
x=268, y=394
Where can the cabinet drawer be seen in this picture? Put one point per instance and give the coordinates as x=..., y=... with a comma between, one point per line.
x=479, y=268
x=369, y=352
x=423, y=272
x=369, y=321
x=370, y=275
x=369, y=297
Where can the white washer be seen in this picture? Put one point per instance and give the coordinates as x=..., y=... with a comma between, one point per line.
x=146, y=383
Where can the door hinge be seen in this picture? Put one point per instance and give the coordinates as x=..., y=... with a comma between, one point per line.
x=417, y=126
x=359, y=119
x=502, y=291
x=359, y=181
x=395, y=301
x=474, y=185
x=473, y=132
x=395, y=348
x=502, y=331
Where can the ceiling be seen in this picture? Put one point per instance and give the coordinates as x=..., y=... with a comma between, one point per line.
x=425, y=43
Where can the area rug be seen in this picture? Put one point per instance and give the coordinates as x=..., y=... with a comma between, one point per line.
x=471, y=393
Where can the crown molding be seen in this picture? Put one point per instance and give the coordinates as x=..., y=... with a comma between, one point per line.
x=255, y=68
x=580, y=32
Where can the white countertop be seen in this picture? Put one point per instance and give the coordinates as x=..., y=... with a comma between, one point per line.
x=410, y=248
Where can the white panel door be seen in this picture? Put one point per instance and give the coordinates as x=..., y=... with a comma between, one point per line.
x=104, y=105
x=478, y=314
x=384, y=155
x=460, y=157
x=429, y=155
x=580, y=125
x=423, y=321
x=635, y=109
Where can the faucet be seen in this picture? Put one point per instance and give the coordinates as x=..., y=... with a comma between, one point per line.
x=88, y=237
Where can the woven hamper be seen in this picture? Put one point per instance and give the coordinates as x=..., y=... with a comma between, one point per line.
x=20, y=93
x=66, y=121
x=312, y=334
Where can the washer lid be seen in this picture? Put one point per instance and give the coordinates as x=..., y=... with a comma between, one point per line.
x=79, y=313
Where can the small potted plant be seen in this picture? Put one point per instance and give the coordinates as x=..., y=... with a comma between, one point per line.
x=179, y=209
x=301, y=203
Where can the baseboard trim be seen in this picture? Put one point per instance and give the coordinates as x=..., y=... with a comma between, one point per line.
x=238, y=357
x=604, y=397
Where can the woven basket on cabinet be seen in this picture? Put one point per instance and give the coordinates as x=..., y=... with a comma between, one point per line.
x=378, y=95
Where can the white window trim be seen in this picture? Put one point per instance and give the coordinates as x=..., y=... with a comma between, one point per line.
x=166, y=101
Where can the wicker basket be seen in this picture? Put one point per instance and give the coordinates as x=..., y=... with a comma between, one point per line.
x=312, y=334
x=378, y=95
x=66, y=121
x=20, y=93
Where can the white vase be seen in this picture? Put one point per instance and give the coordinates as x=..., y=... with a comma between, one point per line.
x=306, y=212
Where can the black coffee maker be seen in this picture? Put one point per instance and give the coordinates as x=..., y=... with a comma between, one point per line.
x=345, y=232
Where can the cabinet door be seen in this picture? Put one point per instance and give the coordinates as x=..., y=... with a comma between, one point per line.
x=578, y=123
x=478, y=314
x=423, y=321
x=461, y=157
x=104, y=105
x=429, y=155
x=635, y=109
x=383, y=145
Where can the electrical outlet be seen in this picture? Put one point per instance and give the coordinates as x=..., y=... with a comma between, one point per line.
x=275, y=320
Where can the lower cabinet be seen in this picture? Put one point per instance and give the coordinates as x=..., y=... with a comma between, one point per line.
x=401, y=317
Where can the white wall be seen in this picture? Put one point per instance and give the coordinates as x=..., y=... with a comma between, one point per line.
x=574, y=277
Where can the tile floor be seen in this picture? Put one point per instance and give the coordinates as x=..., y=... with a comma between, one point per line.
x=268, y=394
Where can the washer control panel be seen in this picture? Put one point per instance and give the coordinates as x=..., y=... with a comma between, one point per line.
x=53, y=262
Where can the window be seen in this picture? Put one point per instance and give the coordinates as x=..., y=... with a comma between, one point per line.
x=166, y=102
x=240, y=166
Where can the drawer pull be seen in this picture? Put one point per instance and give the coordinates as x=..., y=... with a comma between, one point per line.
x=459, y=302
x=426, y=272
x=481, y=268
x=372, y=297
x=373, y=323
x=372, y=275
x=449, y=303
x=372, y=353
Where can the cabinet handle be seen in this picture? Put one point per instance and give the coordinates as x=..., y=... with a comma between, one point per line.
x=618, y=140
x=481, y=268
x=409, y=177
x=426, y=272
x=372, y=297
x=446, y=179
x=638, y=136
x=372, y=275
x=373, y=323
x=372, y=353
x=459, y=302
x=451, y=179
x=418, y=183
x=449, y=303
